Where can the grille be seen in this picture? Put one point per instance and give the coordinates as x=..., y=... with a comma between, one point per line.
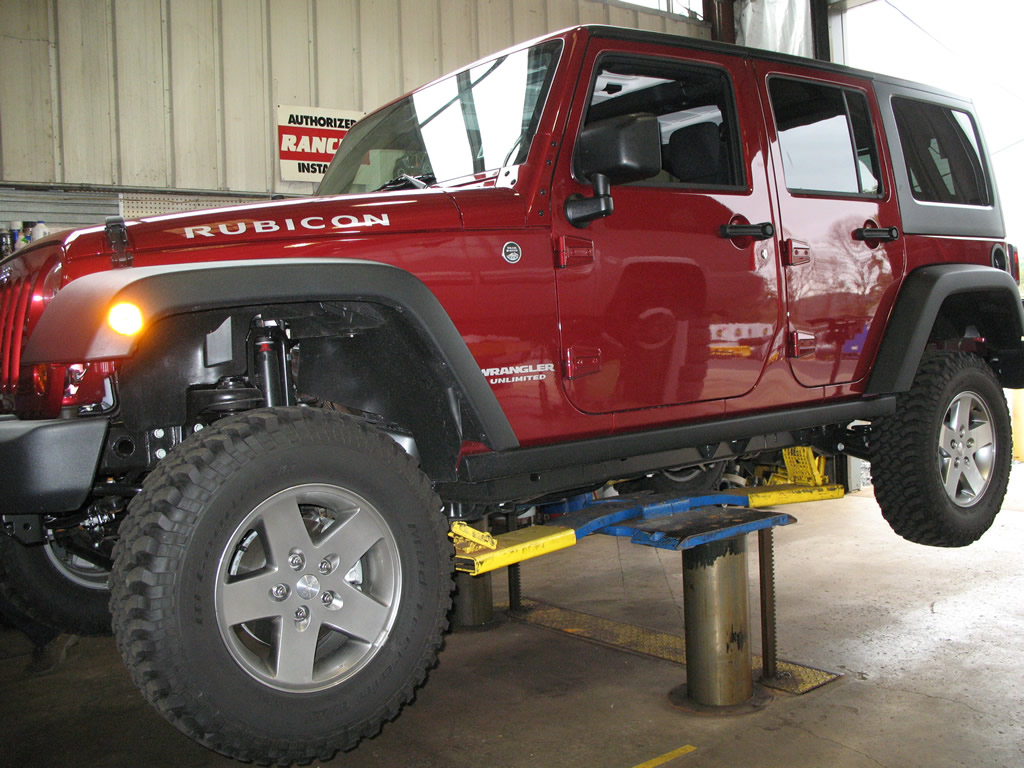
x=15, y=298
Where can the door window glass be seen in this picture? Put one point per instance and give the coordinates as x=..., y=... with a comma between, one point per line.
x=695, y=110
x=940, y=146
x=826, y=138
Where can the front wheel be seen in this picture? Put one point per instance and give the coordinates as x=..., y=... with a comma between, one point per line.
x=281, y=584
x=942, y=461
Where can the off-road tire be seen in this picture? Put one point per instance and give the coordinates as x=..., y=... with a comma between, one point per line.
x=35, y=585
x=168, y=576
x=911, y=456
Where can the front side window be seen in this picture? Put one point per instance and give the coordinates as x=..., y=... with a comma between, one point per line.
x=825, y=137
x=941, y=149
x=478, y=120
x=695, y=110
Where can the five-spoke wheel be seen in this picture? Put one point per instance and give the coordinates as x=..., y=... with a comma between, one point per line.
x=282, y=583
x=942, y=460
x=308, y=586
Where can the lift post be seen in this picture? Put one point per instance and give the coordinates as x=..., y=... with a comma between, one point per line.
x=718, y=668
x=473, y=603
x=710, y=530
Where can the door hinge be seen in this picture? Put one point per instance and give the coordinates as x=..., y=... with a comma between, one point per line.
x=581, y=361
x=801, y=344
x=797, y=252
x=573, y=251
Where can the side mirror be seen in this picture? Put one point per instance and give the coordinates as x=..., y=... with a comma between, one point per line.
x=613, y=151
x=624, y=148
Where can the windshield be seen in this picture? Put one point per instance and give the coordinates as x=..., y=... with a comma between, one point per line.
x=480, y=119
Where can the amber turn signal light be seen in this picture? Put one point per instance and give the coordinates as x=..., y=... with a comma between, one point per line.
x=125, y=318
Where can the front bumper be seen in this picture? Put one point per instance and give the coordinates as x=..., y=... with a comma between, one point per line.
x=47, y=467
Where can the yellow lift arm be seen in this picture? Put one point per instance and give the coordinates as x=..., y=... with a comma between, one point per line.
x=477, y=552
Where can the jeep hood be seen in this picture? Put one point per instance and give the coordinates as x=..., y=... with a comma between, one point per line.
x=290, y=222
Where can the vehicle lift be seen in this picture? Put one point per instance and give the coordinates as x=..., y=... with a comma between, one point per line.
x=710, y=529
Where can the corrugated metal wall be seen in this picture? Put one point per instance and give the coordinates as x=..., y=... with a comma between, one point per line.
x=182, y=94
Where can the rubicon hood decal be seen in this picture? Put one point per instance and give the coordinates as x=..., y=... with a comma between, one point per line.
x=308, y=223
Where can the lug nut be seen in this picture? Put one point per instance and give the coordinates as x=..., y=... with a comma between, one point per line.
x=279, y=592
x=301, y=613
x=326, y=567
x=296, y=561
x=327, y=598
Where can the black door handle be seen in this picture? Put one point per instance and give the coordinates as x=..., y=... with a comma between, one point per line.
x=882, y=234
x=757, y=231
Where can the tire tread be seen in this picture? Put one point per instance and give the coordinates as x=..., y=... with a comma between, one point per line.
x=904, y=450
x=153, y=538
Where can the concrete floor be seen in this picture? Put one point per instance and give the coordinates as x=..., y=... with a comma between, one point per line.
x=928, y=640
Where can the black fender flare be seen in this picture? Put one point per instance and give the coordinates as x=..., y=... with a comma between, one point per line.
x=74, y=329
x=917, y=307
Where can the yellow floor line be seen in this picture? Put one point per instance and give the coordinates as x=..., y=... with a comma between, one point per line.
x=667, y=757
x=792, y=678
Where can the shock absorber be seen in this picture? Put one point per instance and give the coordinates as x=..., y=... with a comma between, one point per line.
x=270, y=358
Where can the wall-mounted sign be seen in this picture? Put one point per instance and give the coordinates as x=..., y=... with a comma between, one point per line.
x=308, y=137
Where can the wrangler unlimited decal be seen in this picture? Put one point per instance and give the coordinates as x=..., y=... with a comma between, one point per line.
x=511, y=374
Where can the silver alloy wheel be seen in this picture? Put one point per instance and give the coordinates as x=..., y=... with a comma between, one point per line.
x=685, y=474
x=967, y=449
x=76, y=569
x=308, y=587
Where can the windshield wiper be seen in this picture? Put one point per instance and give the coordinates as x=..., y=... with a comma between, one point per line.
x=404, y=181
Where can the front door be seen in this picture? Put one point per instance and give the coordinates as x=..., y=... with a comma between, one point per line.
x=839, y=219
x=659, y=303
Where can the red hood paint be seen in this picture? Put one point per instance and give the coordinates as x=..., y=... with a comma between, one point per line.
x=270, y=228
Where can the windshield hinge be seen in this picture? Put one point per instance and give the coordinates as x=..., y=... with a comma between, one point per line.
x=117, y=236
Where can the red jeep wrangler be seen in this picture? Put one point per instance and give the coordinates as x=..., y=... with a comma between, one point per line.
x=603, y=256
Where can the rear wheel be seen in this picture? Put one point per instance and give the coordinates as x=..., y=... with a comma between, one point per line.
x=282, y=583
x=942, y=460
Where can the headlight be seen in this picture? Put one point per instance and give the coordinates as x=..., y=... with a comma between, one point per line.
x=51, y=283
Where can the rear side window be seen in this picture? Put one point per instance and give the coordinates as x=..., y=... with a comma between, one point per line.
x=826, y=139
x=941, y=148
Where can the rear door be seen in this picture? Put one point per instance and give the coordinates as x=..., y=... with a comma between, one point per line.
x=657, y=305
x=838, y=215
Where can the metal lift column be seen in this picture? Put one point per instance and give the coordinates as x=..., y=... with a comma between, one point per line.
x=711, y=531
x=717, y=616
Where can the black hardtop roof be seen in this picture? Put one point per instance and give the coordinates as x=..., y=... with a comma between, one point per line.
x=695, y=43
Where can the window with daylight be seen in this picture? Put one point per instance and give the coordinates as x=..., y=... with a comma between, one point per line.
x=826, y=138
x=691, y=8
x=695, y=110
x=941, y=149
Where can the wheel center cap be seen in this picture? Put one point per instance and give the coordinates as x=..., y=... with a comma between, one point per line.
x=308, y=587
